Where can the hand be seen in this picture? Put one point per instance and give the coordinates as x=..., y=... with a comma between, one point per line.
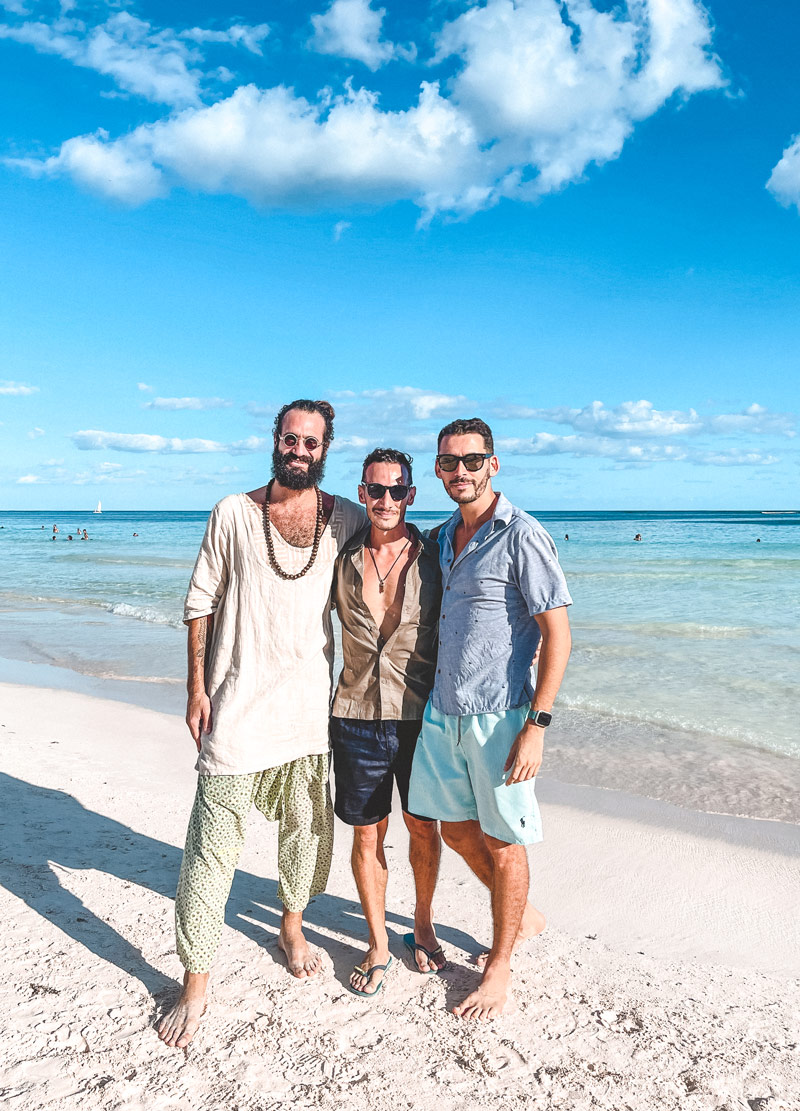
x=525, y=757
x=198, y=716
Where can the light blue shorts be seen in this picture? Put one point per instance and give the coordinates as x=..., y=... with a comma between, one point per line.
x=458, y=775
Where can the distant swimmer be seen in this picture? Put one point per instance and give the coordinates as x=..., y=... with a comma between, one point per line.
x=55, y=529
x=638, y=536
x=759, y=540
x=566, y=536
x=69, y=537
x=136, y=534
x=85, y=535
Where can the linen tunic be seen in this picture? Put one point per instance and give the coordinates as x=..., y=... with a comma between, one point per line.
x=269, y=668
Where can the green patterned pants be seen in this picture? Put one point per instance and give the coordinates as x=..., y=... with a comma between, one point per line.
x=297, y=796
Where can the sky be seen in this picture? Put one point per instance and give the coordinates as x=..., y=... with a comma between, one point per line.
x=580, y=221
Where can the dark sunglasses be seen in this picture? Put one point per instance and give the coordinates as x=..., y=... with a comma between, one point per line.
x=290, y=440
x=473, y=462
x=376, y=490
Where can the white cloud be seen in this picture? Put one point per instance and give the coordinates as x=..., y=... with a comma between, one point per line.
x=784, y=181
x=35, y=433
x=631, y=418
x=144, y=387
x=238, y=34
x=151, y=63
x=412, y=403
x=141, y=442
x=755, y=419
x=28, y=480
x=544, y=89
x=561, y=85
x=16, y=389
x=115, y=170
x=352, y=29
x=339, y=228
x=628, y=454
x=641, y=418
x=195, y=403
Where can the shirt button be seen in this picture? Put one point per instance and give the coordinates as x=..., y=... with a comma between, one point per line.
x=438, y=671
x=444, y=616
x=448, y=587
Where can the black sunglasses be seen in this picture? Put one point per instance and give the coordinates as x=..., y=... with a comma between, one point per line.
x=376, y=490
x=473, y=462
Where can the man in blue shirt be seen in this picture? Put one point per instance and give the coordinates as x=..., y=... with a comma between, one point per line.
x=504, y=598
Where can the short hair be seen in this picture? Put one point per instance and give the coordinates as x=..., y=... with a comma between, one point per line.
x=468, y=426
x=388, y=455
x=324, y=408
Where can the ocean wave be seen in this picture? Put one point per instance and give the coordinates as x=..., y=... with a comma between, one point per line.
x=144, y=613
x=656, y=719
x=691, y=630
x=136, y=678
x=119, y=609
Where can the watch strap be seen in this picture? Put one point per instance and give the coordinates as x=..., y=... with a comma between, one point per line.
x=540, y=717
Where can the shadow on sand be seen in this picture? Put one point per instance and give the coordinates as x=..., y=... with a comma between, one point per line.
x=43, y=831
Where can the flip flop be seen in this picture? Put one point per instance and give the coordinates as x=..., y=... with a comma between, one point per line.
x=369, y=973
x=412, y=945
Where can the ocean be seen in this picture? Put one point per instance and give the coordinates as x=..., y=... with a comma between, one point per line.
x=682, y=684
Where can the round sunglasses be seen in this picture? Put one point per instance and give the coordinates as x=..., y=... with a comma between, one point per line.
x=376, y=490
x=290, y=440
x=473, y=462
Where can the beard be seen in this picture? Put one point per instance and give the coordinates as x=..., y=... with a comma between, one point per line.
x=471, y=493
x=297, y=480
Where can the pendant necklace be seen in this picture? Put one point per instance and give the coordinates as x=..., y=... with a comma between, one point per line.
x=319, y=528
x=381, y=581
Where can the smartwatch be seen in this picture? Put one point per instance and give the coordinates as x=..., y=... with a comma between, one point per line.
x=540, y=718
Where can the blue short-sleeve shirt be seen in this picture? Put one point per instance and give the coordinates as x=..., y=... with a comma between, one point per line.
x=488, y=634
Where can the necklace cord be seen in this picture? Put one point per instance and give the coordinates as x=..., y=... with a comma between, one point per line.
x=381, y=581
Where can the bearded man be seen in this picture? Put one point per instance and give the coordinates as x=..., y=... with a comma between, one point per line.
x=260, y=657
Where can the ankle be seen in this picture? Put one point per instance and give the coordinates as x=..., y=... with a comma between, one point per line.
x=195, y=983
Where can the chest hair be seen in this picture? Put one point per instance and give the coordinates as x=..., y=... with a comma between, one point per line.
x=296, y=526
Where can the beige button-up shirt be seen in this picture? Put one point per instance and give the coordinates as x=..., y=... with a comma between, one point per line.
x=392, y=680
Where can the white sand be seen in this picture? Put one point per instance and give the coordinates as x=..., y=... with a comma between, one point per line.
x=667, y=977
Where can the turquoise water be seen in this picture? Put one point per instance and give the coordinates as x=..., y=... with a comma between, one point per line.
x=695, y=628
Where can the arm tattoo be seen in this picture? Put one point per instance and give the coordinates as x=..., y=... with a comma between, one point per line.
x=202, y=637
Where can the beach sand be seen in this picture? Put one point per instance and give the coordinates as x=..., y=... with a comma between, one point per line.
x=667, y=977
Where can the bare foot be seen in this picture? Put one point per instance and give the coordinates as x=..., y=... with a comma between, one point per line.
x=424, y=935
x=304, y=962
x=489, y=999
x=533, y=924
x=179, y=1025
x=362, y=981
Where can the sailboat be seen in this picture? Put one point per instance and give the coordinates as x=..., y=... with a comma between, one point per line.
x=99, y=508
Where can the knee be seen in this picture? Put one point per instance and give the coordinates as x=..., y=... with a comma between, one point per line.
x=368, y=838
x=422, y=829
x=454, y=836
x=505, y=855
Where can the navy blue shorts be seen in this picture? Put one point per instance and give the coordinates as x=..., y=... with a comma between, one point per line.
x=368, y=756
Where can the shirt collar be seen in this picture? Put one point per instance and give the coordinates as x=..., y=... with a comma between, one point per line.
x=503, y=513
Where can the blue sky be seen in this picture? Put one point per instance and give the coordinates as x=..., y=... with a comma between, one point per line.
x=578, y=221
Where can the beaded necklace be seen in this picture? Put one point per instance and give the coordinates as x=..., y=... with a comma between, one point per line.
x=319, y=528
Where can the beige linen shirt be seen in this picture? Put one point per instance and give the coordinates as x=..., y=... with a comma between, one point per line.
x=392, y=680
x=269, y=669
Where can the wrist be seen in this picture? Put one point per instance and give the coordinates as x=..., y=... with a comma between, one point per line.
x=539, y=718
